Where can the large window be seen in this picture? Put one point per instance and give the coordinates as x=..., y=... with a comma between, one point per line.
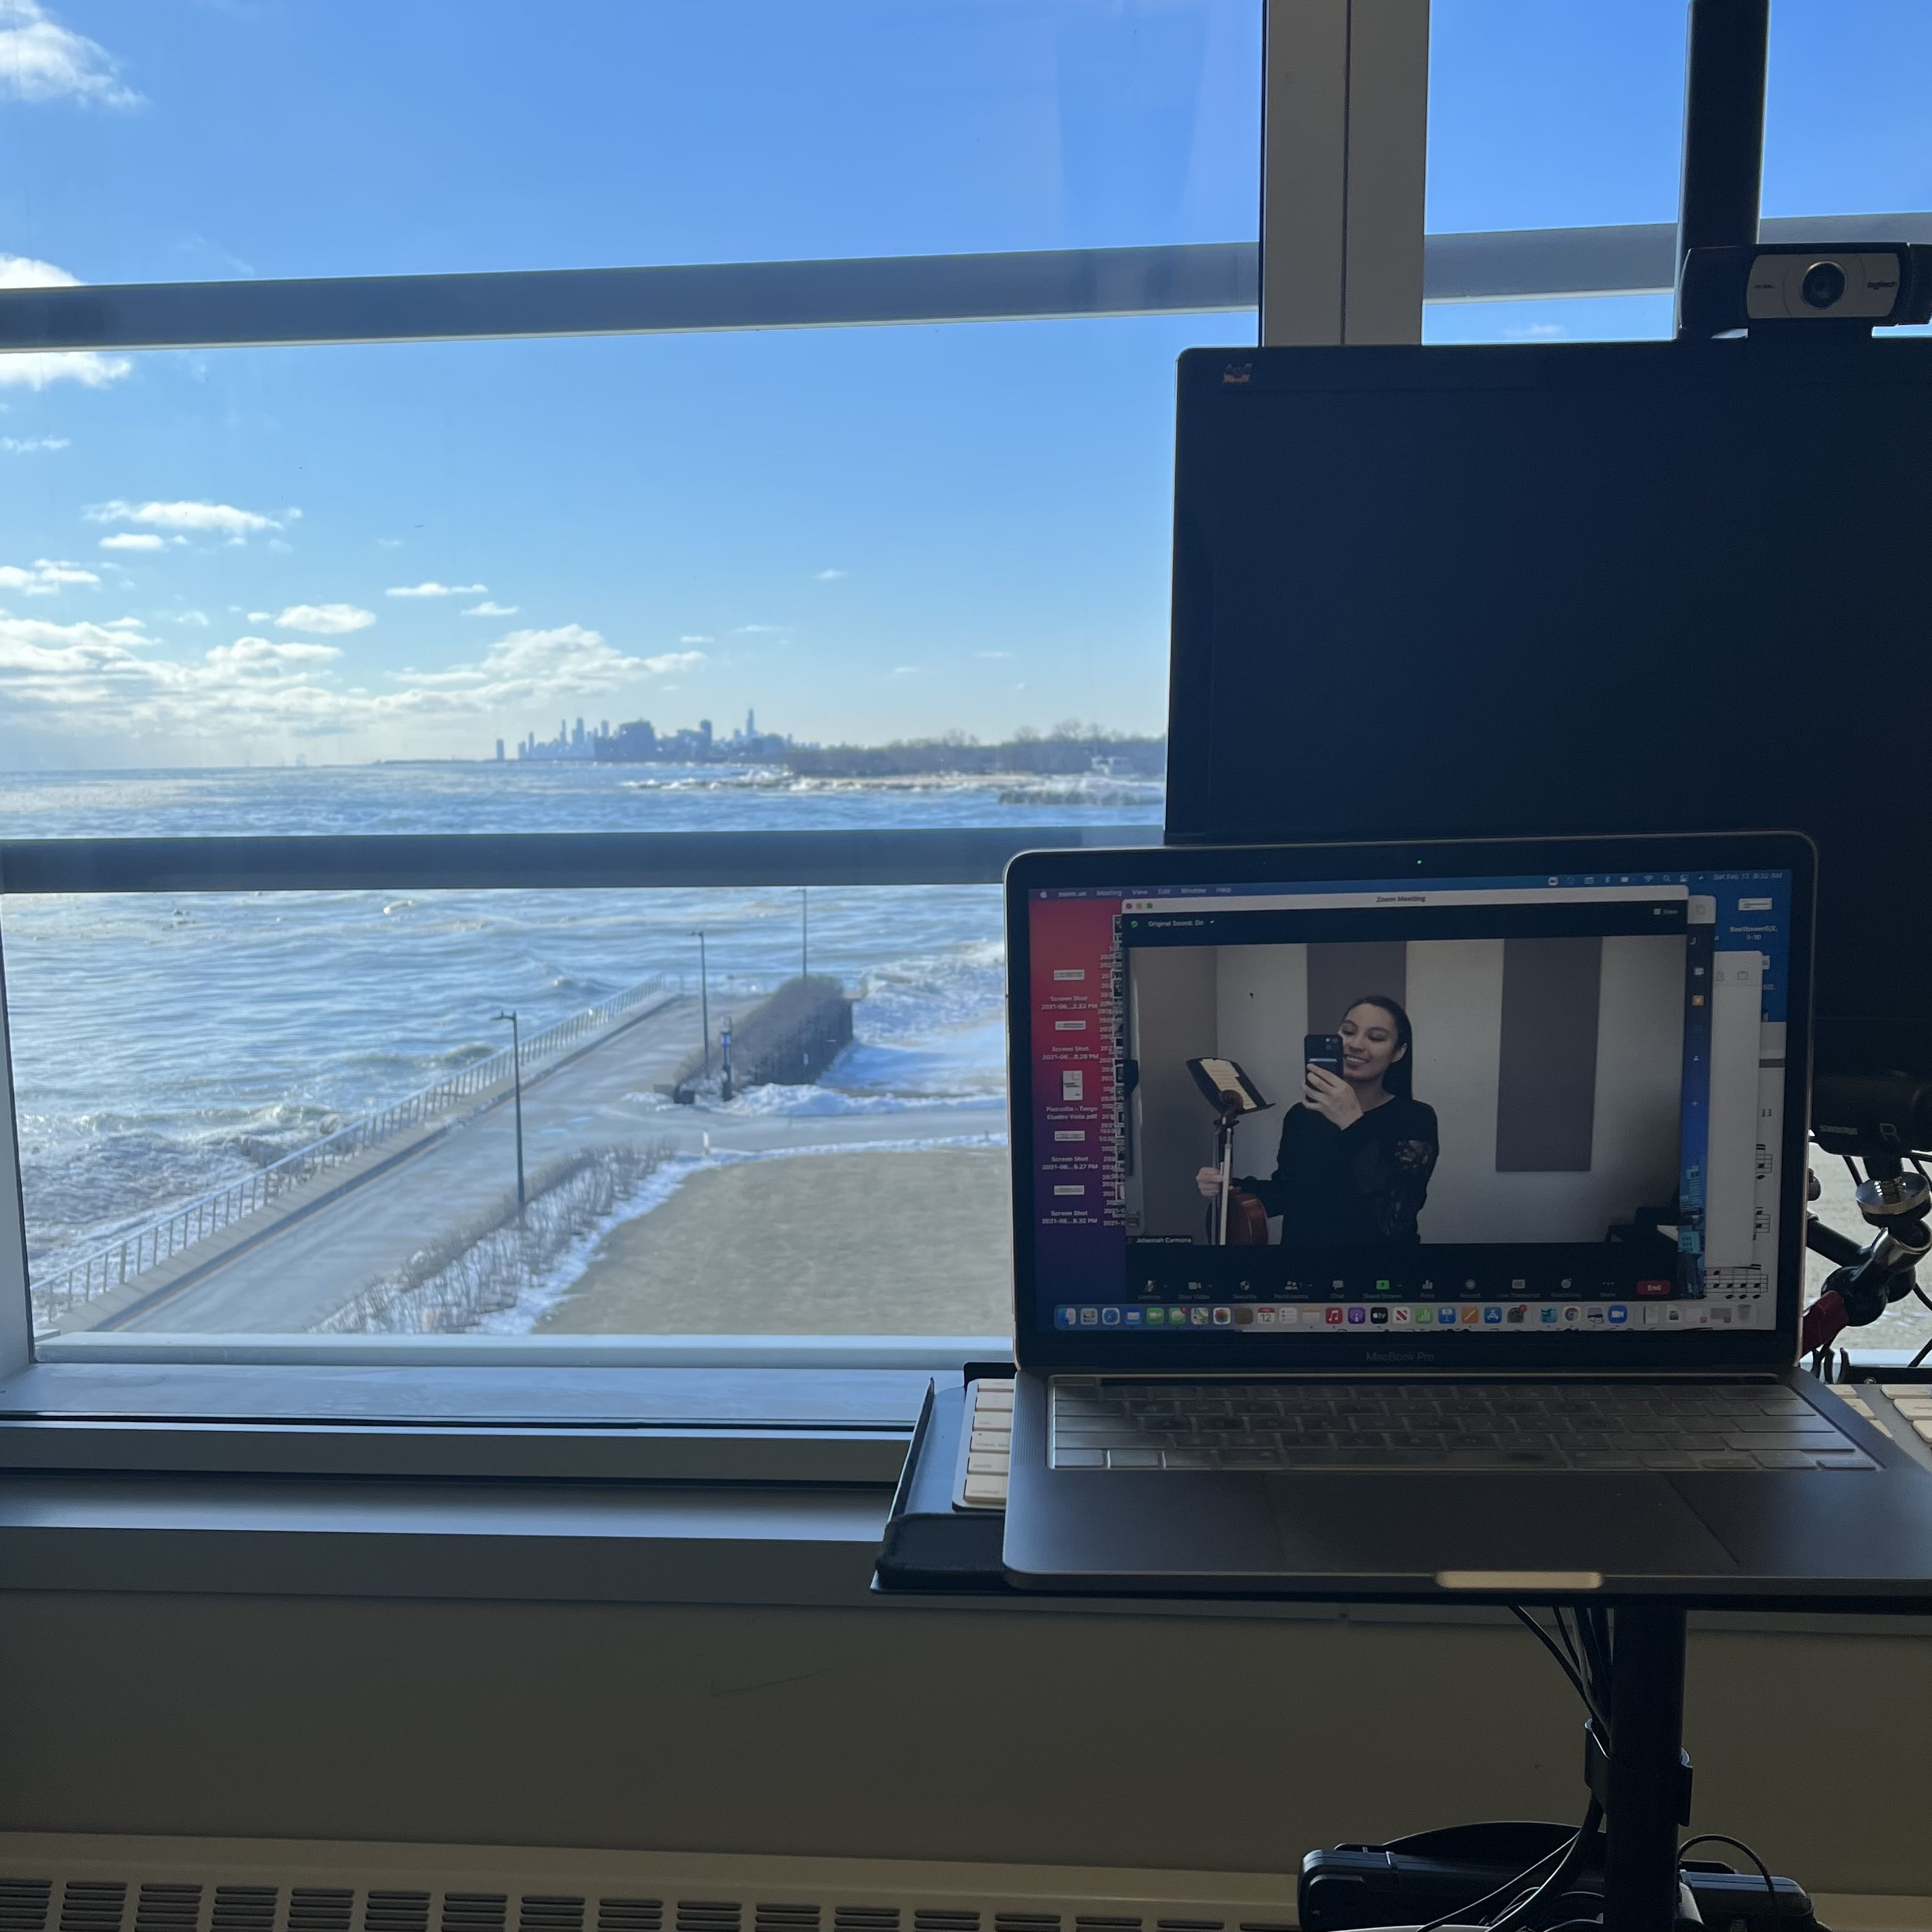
x=849, y=523
x=862, y=581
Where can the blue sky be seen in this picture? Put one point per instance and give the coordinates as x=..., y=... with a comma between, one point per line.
x=864, y=533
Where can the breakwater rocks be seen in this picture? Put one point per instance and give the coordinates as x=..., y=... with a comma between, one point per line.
x=787, y=1039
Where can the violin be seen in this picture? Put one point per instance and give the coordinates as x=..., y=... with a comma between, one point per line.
x=1247, y=1220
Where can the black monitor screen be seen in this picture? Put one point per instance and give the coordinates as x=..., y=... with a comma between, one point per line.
x=1559, y=589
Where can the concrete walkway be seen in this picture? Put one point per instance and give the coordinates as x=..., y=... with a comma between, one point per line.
x=311, y=1255
x=867, y=1229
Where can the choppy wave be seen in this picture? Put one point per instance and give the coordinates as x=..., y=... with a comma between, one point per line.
x=166, y=1044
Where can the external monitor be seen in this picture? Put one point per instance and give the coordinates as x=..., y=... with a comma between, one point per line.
x=1561, y=589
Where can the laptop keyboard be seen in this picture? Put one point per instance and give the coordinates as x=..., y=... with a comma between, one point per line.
x=1104, y=1423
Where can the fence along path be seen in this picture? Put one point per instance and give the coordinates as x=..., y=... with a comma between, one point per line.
x=165, y=1239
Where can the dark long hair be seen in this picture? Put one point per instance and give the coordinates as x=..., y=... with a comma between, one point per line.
x=1399, y=1080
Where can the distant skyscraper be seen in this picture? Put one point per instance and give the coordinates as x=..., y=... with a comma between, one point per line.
x=499, y=750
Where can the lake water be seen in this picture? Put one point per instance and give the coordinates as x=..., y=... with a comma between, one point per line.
x=164, y=1043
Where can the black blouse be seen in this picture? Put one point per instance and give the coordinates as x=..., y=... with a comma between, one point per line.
x=1349, y=1186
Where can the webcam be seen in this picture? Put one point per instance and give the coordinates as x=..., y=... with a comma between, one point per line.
x=1877, y=284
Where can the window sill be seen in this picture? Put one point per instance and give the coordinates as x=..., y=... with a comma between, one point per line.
x=570, y=1542
x=840, y=1411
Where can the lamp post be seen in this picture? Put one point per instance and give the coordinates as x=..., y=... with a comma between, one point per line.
x=517, y=1077
x=704, y=999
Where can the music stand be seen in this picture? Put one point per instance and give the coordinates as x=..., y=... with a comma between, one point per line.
x=1231, y=1094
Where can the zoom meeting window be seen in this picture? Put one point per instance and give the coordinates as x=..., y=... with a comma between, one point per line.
x=1546, y=1104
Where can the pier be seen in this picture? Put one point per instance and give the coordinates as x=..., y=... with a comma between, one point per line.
x=283, y=1250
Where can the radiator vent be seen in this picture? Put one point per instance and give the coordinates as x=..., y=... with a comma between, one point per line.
x=475, y=1911
x=321, y=1908
x=396, y=1912
x=90, y=1905
x=24, y=1903
x=167, y=1908
x=81, y=1885
x=241, y=1908
x=621, y=1915
x=709, y=1914
x=787, y=1918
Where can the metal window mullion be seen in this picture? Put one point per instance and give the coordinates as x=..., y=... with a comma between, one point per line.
x=1344, y=146
x=479, y=862
x=16, y=1321
x=1184, y=278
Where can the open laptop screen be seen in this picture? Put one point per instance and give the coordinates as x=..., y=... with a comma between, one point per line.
x=1510, y=1106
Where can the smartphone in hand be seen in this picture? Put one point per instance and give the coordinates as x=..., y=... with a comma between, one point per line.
x=1323, y=1050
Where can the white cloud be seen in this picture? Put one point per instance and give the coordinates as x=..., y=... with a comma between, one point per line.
x=388, y=543
x=41, y=60
x=26, y=271
x=761, y=630
x=35, y=369
x=522, y=665
x=24, y=445
x=197, y=618
x=829, y=576
x=110, y=677
x=45, y=578
x=668, y=662
x=132, y=540
x=327, y=620
x=698, y=640
x=995, y=654
x=258, y=657
x=261, y=616
x=433, y=589
x=486, y=609
x=223, y=519
x=905, y=670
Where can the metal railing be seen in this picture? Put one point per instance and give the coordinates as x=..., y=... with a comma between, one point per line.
x=148, y=1247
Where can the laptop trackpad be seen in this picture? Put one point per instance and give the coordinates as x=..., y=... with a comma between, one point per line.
x=1406, y=1524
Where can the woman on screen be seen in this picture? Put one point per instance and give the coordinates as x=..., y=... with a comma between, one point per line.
x=1356, y=1154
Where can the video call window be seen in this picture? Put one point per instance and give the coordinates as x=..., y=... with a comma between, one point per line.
x=1517, y=1089
x=1503, y=1092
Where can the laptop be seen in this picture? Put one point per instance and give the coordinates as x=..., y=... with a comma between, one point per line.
x=1410, y=1220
